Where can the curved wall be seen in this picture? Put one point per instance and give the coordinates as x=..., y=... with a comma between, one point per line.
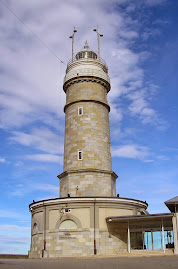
x=89, y=216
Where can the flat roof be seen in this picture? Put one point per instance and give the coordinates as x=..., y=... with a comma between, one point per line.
x=139, y=217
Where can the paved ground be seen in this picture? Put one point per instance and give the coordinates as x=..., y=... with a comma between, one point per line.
x=164, y=262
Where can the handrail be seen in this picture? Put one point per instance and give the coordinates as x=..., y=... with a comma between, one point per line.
x=97, y=59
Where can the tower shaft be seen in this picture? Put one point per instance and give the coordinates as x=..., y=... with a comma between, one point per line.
x=87, y=155
x=88, y=131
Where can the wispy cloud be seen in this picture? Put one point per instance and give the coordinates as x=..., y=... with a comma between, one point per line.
x=6, y=213
x=14, y=240
x=22, y=190
x=160, y=21
x=140, y=106
x=138, y=191
x=40, y=138
x=131, y=151
x=155, y=2
x=45, y=158
x=167, y=190
x=172, y=149
x=163, y=157
x=18, y=163
x=150, y=33
x=2, y=160
x=54, y=190
x=8, y=227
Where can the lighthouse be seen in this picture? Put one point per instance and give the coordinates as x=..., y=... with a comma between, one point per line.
x=81, y=222
x=87, y=149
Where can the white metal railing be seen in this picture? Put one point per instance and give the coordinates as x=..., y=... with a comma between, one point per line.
x=97, y=60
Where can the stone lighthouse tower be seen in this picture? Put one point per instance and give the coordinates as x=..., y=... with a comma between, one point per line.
x=81, y=222
x=87, y=155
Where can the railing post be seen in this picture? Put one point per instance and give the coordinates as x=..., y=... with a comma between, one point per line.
x=163, y=236
x=128, y=239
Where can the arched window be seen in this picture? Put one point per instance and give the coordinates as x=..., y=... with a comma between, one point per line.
x=35, y=228
x=68, y=225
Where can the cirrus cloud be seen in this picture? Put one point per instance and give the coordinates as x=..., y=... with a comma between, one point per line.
x=131, y=151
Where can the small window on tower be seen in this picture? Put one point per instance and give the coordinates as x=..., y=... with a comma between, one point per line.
x=80, y=154
x=80, y=110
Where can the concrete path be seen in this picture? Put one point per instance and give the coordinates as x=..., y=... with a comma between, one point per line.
x=159, y=262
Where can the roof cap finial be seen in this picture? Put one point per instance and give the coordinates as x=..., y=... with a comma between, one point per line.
x=86, y=46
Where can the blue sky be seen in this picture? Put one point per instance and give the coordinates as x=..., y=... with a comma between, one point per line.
x=140, y=47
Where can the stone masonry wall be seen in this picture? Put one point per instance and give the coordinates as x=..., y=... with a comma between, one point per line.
x=79, y=243
x=89, y=132
x=87, y=184
x=112, y=242
x=86, y=90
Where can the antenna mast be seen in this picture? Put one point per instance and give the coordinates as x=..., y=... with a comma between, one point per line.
x=72, y=36
x=98, y=37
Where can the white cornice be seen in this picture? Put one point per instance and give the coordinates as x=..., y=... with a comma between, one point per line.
x=59, y=201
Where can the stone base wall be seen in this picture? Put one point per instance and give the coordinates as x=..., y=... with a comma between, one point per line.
x=69, y=243
x=112, y=242
x=81, y=183
x=78, y=243
x=37, y=245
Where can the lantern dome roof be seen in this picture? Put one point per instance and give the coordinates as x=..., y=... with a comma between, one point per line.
x=86, y=52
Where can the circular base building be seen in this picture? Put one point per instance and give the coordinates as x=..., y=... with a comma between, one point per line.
x=78, y=227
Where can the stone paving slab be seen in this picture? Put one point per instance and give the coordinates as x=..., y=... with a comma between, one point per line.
x=154, y=262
